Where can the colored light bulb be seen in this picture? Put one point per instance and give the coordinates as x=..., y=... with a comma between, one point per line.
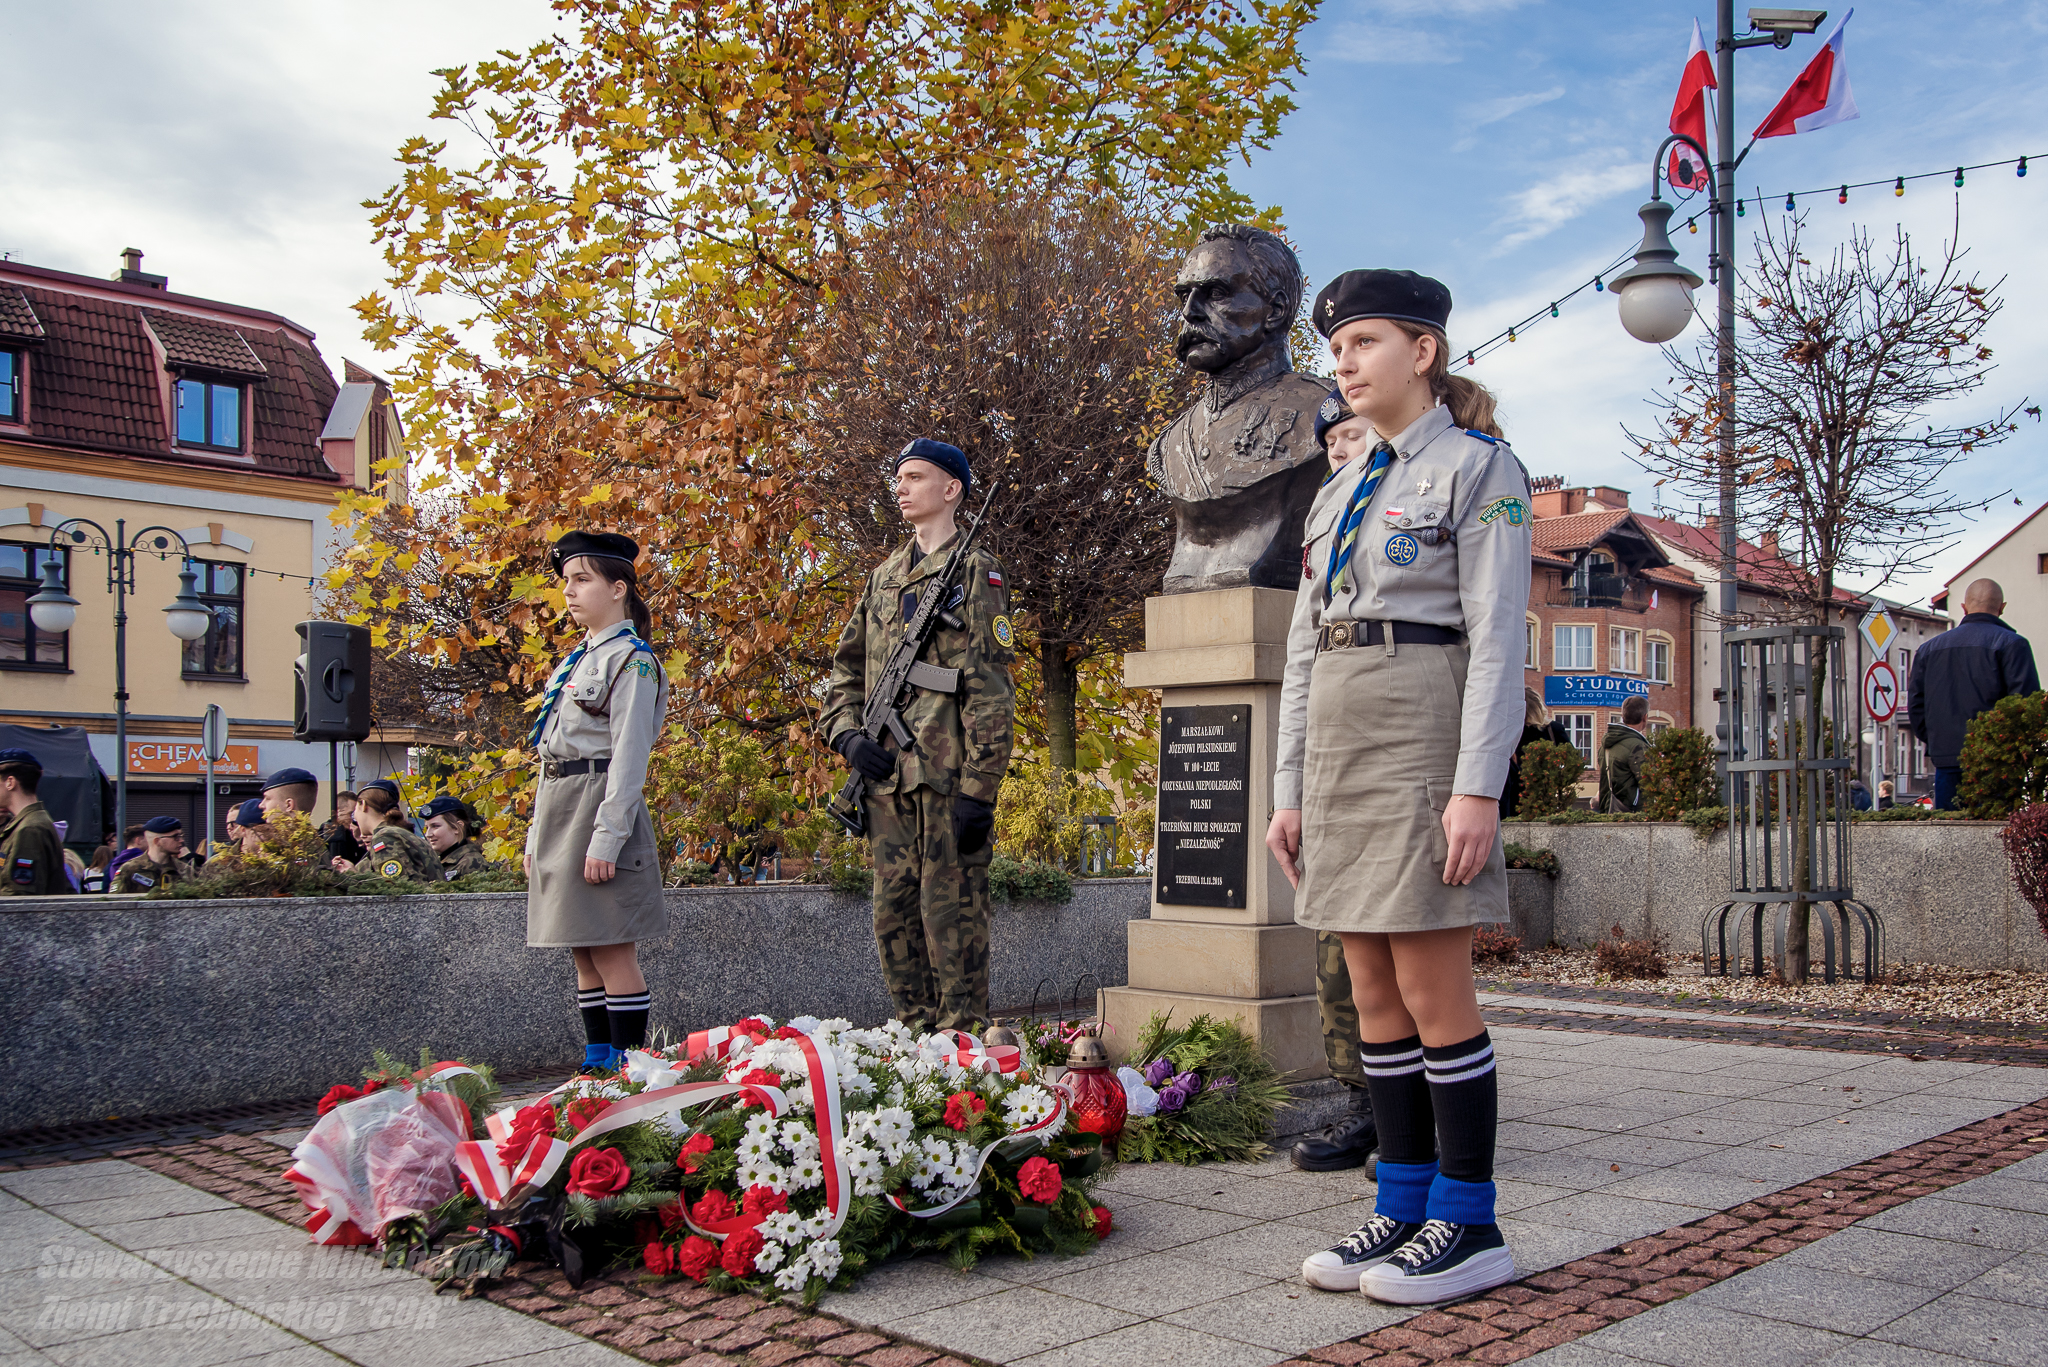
x=1959, y=177
x=1553, y=308
x=1899, y=188
x=1843, y=198
x=2023, y=166
x=1789, y=205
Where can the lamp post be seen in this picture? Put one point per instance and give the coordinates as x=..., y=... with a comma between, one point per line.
x=54, y=610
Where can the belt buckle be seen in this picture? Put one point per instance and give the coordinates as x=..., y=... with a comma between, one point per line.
x=1340, y=635
x=552, y=768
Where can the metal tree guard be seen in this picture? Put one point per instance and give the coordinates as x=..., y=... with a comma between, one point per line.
x=1788, y=802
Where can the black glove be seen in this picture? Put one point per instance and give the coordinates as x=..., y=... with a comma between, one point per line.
x=972, y=821
x=874, y=763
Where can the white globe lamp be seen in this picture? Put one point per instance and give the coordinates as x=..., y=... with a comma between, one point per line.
x=1655, y=293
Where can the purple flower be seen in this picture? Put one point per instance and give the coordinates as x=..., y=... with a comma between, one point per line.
x=1188, y=1083
x=1158, y=1071
x=1172, y=1099
x=1223, y=1084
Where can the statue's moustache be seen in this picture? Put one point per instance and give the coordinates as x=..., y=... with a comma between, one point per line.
x=1192, y=334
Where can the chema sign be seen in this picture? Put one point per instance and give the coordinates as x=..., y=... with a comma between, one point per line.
x=1591, y=690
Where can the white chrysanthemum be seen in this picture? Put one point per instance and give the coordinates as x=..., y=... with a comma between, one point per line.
x=930, y=1172
x=856, y=1085
x=793, y=1277
x=800, y=1102
x=770, y=1257
x=825, y=1258
x=898, y=1094
x=798, y=1139
x=837, y=1025
x=964, y=1169
x=784, y=1226
x=756, y=1147
x=891, y=1128
x=763, y=1173
x=1027, y=1106
x=806, y=1173
x=807, y=1024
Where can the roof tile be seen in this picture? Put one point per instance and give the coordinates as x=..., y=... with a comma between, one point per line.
x=17, y=319
x=203, y=343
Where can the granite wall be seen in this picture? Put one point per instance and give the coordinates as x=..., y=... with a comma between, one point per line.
x=134, y=1007
x=1944, y=888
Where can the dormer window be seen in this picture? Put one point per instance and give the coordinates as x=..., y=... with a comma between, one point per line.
x=210, y=415
x=10, y=385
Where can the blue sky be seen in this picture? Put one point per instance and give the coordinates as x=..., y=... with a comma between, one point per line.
x=1501, y=145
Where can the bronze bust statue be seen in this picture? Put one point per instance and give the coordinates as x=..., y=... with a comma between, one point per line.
x=1241, y=463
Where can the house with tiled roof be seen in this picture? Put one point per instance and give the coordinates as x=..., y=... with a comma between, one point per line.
x=2018, y=562
x=136, y=407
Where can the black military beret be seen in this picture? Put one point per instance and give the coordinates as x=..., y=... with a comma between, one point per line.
x=610, y=545
x=445, y=805
x=163, y=825
x=250, y=813
x=951, y=459
x=1329, y=413
x=23, y=758
x=285, y=778
x=1402, y=296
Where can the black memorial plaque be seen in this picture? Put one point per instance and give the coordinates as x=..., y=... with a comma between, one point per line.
x=1205, y=767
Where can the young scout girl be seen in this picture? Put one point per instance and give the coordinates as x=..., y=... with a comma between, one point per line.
x=593, y=875
x=1401, y=704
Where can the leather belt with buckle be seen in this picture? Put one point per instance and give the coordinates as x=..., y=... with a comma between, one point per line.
x=563, y=768
x=1342, y=635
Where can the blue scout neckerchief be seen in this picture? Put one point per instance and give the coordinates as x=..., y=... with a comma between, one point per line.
x=1354, y=517
x=560, y=678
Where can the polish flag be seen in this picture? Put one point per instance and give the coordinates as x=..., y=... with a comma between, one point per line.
x=1819, y=97
x=1690, y=115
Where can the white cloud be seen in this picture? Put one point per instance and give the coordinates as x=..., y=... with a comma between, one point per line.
x=1388, y=43
x=1506, y=107
x=1564, y=195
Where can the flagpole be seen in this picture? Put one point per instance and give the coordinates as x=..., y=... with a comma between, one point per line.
x=1723, y=269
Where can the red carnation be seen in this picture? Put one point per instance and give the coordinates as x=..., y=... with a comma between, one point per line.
x=737, y=1257
x=598, y=1172
x=372, y=1085
x=752, y=1025
x=711, y=1207
x=1039, y=1180
x=660, y=1261
x=1102, y=1222
x=963, y=1109
x=340, y=1094
x=761, y=1077
x=761, y=1202
x=694, y=1149
x=671, y=1215
x=789, y=1032
x=696, y=1257
x=583, y=1110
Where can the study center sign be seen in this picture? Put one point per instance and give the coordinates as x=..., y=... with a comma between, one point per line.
x=1591, y=690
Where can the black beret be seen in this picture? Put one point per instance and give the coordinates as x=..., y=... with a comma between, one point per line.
x=445, y=805
x=163, y=825
x=285, y=778
x=951, y=459
x=250, y=813
x=21, y=757
x=1329, y=413
x=610, y=545
x=1402, y=296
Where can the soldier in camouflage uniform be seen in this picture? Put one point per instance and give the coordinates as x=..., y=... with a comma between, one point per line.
x=452, y=826
x=394, y=851
x=931, y=809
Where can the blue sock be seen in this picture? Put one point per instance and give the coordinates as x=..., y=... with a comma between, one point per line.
x=1405, y=1191
x=1462, y=1203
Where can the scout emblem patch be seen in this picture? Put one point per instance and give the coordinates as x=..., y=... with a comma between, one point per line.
x=1331, y=408
x=643, y=667
x=1513, y=509
x=391, y=868
x=24, y=872
x=1004, y=636
x=1403, y=548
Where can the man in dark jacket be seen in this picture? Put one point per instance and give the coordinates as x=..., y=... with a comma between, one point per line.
x=33, y=855
x=1621, y=758
x=1961, y=673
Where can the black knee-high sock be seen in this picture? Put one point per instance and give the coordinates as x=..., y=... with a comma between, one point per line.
x=1400, y=1100
x=628, y=1013
x=1464, y=1093
x=590, y=1005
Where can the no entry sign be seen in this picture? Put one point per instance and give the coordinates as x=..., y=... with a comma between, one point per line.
x=1880, y=691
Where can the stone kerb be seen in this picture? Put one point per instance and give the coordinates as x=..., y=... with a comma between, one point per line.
x=170, y=1006
x=1944, y=888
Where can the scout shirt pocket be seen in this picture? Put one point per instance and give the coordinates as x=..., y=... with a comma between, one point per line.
x=1415, y=535
x=587, y=684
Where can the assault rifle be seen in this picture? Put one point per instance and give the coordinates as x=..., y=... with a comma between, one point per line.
x=905, y=671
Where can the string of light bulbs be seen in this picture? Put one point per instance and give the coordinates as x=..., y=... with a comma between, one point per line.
x=1598, y=282
x=307, y=579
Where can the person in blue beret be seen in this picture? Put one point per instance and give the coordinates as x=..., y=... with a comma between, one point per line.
x=163, y=860
x=453, y=828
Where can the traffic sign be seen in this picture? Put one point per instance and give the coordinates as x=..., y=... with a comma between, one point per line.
x=1880, y=691
x=213, y=733
x=1878, y=628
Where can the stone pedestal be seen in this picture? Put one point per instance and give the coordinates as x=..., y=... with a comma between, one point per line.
x=1245, y=959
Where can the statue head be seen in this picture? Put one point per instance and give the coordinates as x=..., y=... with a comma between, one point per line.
x=1239, y=291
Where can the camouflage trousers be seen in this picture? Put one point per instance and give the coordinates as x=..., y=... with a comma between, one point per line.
x=931, y=911
x=1339, y=1011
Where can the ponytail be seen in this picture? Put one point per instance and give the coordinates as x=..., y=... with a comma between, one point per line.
x=636, y=608
x=1471, y=403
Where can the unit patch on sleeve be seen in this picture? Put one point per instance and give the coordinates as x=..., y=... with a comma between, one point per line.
x=1004, y=636
x=644, y=667
x=24, y=872
x=391, y=868
x=995, y=579
x=1513, y=509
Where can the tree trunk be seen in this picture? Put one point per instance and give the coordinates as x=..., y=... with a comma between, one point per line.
x=1811, y=794
x=1061, y=682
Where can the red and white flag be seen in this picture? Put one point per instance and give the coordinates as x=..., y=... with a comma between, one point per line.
x=1691, y=113
x=1819, y=97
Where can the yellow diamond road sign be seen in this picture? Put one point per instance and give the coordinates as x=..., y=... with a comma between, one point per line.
x=1878, y=629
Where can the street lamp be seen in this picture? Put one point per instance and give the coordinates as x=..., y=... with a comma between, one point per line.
x=54, y=610
x=1655, y=294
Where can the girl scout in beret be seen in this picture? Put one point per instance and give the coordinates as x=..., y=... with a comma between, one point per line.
x=593, y=878
x=1400, y=707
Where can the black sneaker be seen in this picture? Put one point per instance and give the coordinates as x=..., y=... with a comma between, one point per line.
x=1441, y=1263
x=1338, y=1268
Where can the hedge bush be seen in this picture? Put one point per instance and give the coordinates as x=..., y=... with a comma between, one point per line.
x=2026, y=845
x=1678, y=773
x=1549, y=773
x=2005, y=758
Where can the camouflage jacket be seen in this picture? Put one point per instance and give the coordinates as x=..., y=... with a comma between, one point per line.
x=143, y=874
x=397, y=852
x=960, y=741
x=35, y=858
x=468, y=857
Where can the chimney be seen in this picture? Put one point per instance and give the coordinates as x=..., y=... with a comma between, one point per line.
x=133, y=274
x=1771, y=546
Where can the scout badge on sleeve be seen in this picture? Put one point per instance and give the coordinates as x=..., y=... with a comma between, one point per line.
x=23, y=872
x=1513, y=509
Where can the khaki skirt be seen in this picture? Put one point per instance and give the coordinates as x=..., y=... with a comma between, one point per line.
x=1382, y=754
x=563, y=911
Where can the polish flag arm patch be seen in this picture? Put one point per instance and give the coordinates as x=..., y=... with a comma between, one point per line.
x=995, y=579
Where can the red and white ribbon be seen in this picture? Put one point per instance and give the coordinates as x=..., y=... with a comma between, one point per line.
x=984, y=1058
x=823, y=1073
x=1013, y=1140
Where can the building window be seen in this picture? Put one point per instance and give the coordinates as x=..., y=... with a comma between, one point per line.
x=1571, y=647
x=10, y=386
x=210, y=415
x=1902, y=764
x=1919, y=759
x=1578, y=729
x=1532, y=650
x=218, y=654
x=1659, y=660
x=2041, y=563
x=22, y=646
x=1624, y=650
x=1905, y=664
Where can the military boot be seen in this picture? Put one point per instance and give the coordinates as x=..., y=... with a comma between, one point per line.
x=1347, y=1142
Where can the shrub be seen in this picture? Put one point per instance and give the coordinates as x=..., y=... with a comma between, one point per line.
x=1621, y=957
x=1529, y=857
x=2005, y=758
x=1678, y=773
x=1549, y=773
x=1028, y=880
x=840, y=862
x=1039, y=815
x=292, y=862
x=1705, y=821
x=1493, y=945
x=2026, y=845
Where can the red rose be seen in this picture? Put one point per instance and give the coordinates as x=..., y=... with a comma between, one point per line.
x=583, y=1110
x=340, y=1094
x=694, y=1149
x=789, y=1032
x=1102, y=1222
x=463, y=1182
x=750, y=1026
x=696, y=1257
x=598, y=1172
x=671, y=1216
x=737, y=1257
x=1039, y=1180
x=761, y=1202
x=660, y=1261
x=372, y=1085
x=963, y=1109
x=711, y=1207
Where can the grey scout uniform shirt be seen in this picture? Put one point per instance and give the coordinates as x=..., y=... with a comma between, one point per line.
x=1476, y=580
x=637, y=688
